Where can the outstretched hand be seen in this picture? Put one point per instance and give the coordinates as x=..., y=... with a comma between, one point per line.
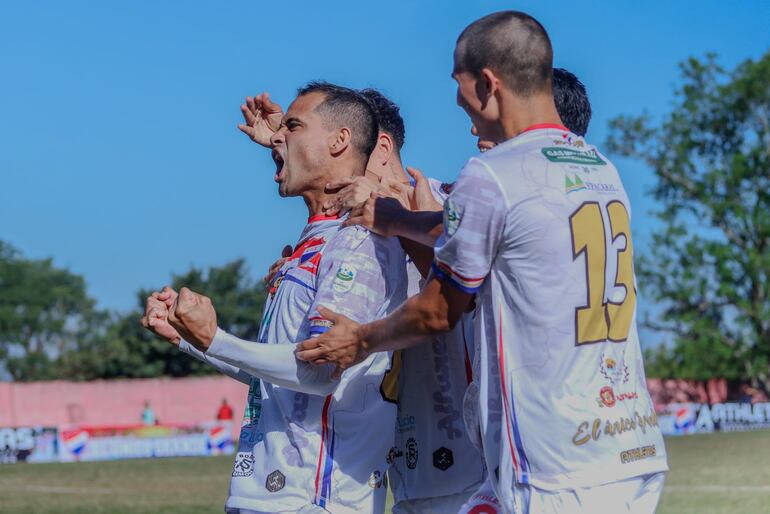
x=262, y=118
x=341, y=345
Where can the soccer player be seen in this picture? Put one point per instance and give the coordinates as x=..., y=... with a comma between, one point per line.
x=538, y=229
x=319, y=445
x=434, y=467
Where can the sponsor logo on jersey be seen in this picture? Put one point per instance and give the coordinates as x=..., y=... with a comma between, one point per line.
x=569, y=156
x=635, y=454
x=442, y=399
x=571, y=186
x=592, y=431
x=608, y=398
x=614, y=370
x=576, y=183
x=443, y=458
x=375, y=479
x=393, y=454
x=243, y=465
x=343, y=281
x=411, y=453
x=275, y=481
x=451, y=218
x=567, y=139
x=405, y=423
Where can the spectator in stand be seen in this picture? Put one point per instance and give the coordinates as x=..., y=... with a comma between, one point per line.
x=148, y=415
x=225, y=412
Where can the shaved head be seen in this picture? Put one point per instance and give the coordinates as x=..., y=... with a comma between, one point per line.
x=513, y=45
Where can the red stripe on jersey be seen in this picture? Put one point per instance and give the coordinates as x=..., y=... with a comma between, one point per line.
x=324, y=431
x=545, y=126
x=468, y=367
x=321, y=217
x=505, y=392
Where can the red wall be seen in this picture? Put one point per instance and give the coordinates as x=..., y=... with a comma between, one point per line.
x=119, y=402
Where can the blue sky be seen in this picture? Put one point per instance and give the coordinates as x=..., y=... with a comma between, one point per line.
x=119, y=153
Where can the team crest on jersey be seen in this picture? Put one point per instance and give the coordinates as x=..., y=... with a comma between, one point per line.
x=343, y=280
x=443, y=458
x=275, y=481
x=244, y=464
x=608, y=397
x=451, y=218
x=411, y=453
x=613, y=369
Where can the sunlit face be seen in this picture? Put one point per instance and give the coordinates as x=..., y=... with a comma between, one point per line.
x=470, y=100
x=482, y=144
x=301, y=147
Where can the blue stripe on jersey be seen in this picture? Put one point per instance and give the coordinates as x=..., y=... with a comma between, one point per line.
x=306, y=256
x=298, y=281
x=318, y=330
x=446, y=277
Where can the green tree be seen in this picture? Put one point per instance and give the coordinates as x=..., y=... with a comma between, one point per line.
x=709, y=264
x=125, y=349
x=44, y=310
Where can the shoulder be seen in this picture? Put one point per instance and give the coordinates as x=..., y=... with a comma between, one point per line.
x=358, y=241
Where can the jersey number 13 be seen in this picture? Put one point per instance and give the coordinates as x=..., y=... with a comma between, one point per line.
x=602, y=319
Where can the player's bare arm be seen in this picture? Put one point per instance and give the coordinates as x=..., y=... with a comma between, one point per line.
x=436, y=309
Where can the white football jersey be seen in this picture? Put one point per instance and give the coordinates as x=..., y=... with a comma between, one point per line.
x=539, y=228
x=307, y=449
x=433, y=455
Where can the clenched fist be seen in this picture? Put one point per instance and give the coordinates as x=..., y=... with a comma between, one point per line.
x=194, y=317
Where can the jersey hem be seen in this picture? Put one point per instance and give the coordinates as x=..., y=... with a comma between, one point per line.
x=561, y=481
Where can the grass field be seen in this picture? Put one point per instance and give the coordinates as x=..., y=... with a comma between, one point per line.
x=710, y=474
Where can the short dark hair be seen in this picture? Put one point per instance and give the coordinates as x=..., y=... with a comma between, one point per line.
x=571, y=100
x=512, y=44
x=388, y=115
x=345, y=107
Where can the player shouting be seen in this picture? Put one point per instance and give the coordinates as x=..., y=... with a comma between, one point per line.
x=319, y=445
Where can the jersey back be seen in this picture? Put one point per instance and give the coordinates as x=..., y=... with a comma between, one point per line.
x=539, y=227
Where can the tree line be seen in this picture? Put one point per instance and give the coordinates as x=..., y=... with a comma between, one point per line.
x=51, y=329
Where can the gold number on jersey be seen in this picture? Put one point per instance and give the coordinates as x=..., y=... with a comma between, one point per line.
x=598, y=320
x=389, y=385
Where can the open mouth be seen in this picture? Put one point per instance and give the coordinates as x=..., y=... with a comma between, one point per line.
x=483, y=146
x=278, y=159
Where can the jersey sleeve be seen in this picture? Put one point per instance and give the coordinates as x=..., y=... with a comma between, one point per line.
x=231, y=371
x=273, y=363
x=474, y=220
x=353, y=279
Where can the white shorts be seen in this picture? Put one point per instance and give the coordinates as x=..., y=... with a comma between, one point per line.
x=637, y=495
x=439, y=505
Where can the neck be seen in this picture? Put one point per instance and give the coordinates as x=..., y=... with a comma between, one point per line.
x=518, y=113
x=393, y=169
x=316, y=196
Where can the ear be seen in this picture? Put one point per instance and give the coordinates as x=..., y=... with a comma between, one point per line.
x=384, y=148
x=339, y=141
x=487, y=86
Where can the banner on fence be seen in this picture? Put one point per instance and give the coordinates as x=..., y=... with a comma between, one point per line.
x=28, y=444
x=691, y=418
